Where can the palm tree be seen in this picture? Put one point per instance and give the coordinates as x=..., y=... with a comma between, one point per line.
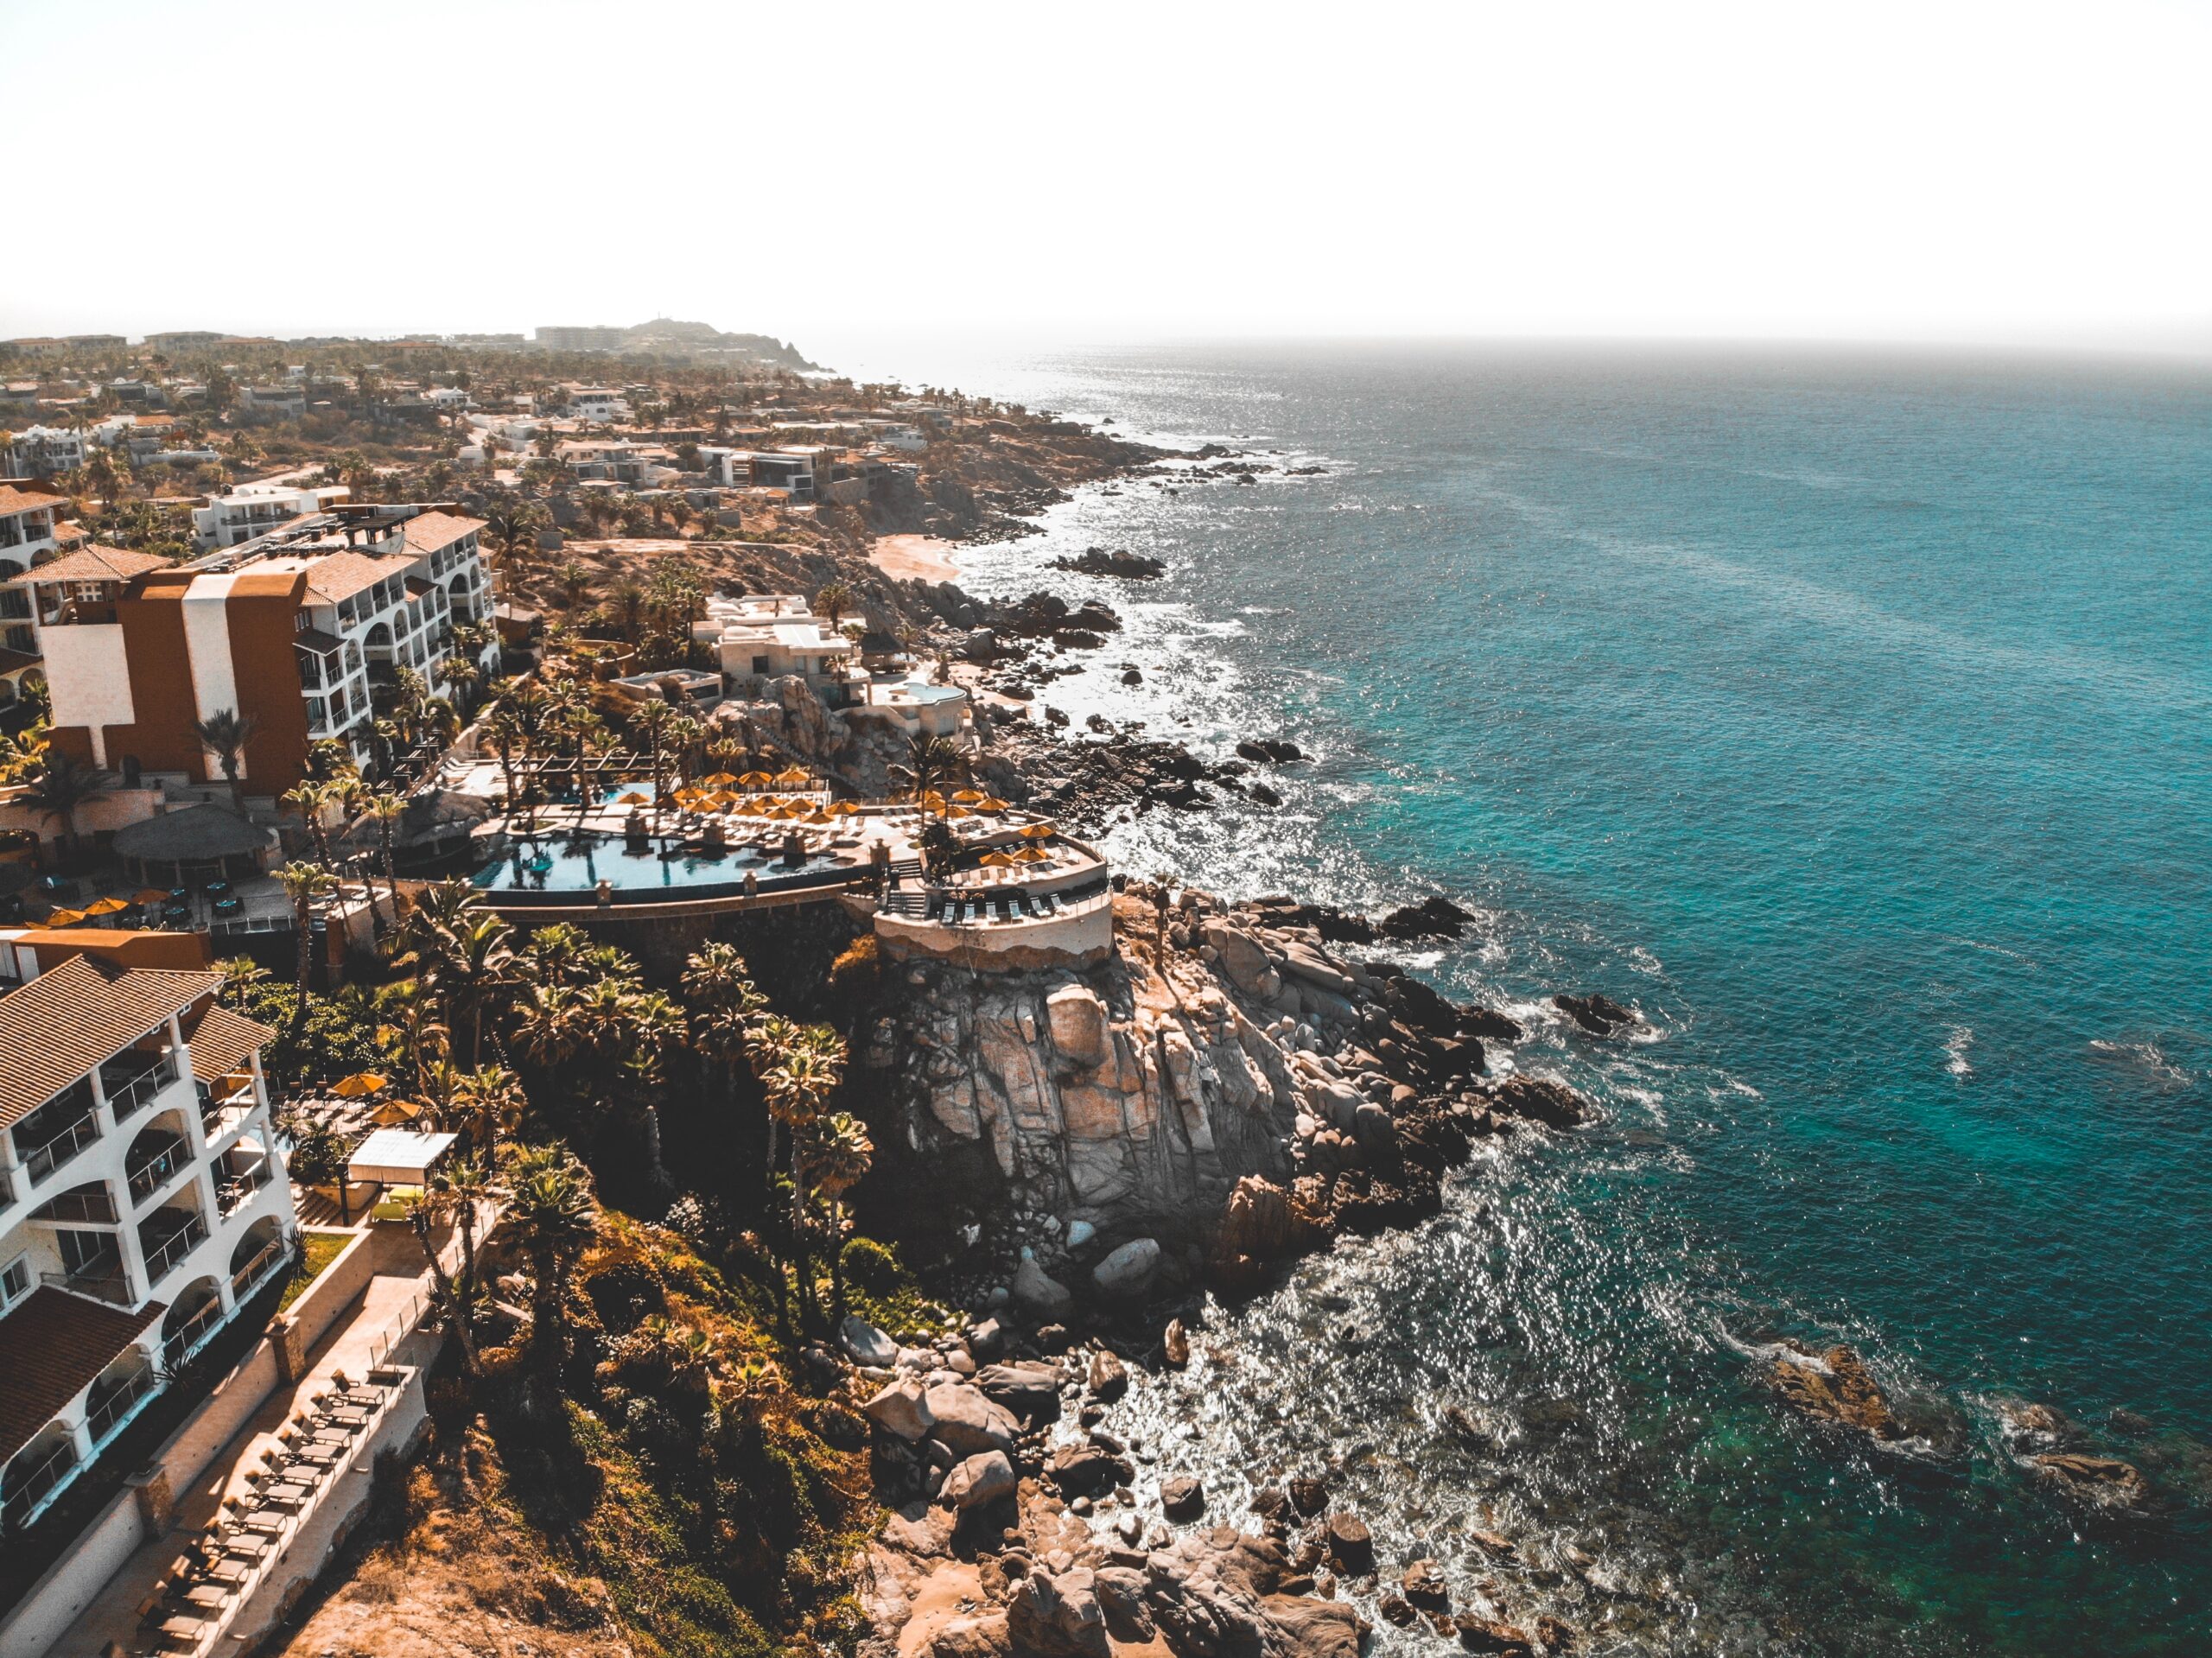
x=833, y=602
x=799, y=1088
x=771, y=1040
x=839, y=1154
x=492, y=1095
x=551, y=1213
x=303, y=883
x=226, y=732
x=574, y=582
x=716, y=975
x=462, y=947
x=454, y=1195
x=387, y=809
x=931, y=761
x=59, y=785
x=310, y=799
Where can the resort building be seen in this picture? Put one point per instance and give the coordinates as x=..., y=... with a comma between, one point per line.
x=272, y=402
x=29, y=522
x=143, y=1201
x=46, y=451
x=294, y=630
x=254, y=510
x=766, y=636
x=597, y=403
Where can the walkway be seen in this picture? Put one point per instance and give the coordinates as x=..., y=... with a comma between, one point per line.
x=379, y=1327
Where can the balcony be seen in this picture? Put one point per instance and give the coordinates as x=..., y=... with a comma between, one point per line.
x=163, y=1258
x=256, y=1272
x=158, y=1168
x=131, y=1087
x=106, y=1284
x=103, y=1420
x=28, y=1487
x=232, y=1190
x=192, y=1335
x=220, y=1114
x=50, y=1154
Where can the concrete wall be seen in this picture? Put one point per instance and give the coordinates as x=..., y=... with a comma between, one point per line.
x=1078, y=940
x=45, y=1613
x=336, y=1287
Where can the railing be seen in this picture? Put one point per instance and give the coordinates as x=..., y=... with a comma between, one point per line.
x=161, y=1261
x=233, y=1191
x=140, y=1088
x=7, y=1188
x=109, y=1414
x=43, y=1159
x=103, y=1287
x=251, y=1276
x=154, y=1173
x=218, y=1117
x=192, y=1335
x=26, y=1493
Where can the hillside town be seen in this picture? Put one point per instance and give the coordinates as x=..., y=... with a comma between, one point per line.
x=514, y=911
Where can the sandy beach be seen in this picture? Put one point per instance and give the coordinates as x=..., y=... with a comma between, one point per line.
x=915, y=558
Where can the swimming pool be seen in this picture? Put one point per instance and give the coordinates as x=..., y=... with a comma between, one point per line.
x=574, y=865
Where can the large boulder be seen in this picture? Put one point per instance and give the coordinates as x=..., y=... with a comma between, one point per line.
x=1240, y=957
x=1182, y=1497
x=902, y=1408
x=967, y=1422
x=1107, y=1377
x=1080, y=1025
x=1352, y=1545
x=984, y=1477
x=1058, y=1617
x=1129, y=1272
x=1305, y=1628
x=1085, y=1469
x=867, y=1345
x=1599, y=1015
x=1040, y=1295
x=1031, y=1390
x=1540, y=1099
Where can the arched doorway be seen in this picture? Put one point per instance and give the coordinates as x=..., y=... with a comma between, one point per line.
x=260, y=1253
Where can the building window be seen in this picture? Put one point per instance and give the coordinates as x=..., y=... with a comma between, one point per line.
x=15, y=1280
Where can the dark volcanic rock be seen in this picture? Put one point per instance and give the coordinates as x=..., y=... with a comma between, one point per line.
x=1500, y=1640
x=1350, y=1545
x=1270, y=751
x=1599, y=1015
x=1097, y=560
x=1433, y=917
x=1182, y=1497
x=1087, y=1469
x=1540, y=1099
x=2101, y=1484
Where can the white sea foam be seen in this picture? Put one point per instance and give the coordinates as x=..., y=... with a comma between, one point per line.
x=1956, y=1046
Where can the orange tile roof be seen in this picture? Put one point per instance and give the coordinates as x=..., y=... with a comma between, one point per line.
x=427, y=531
x=340, y=575
x=63, y=1023
x=25, y=500
x=52, y=1348
x=222, y=1041
x=93, y=564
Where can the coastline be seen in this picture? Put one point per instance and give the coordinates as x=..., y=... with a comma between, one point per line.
x=916, y=557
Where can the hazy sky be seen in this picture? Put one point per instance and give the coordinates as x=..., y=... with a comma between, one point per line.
x=1927, y=170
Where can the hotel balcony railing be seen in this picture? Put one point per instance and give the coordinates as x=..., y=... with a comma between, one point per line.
x=162, y=1259
x=154, y=1172
x=219, y=1113
x=7, y=1189
x=108, y=1415
x=26, y=1490
x=42, y=1161
x=232, y=1190
x=127, y=1096
x=109, y=1286
x=192, y=1335
x=256, y=1272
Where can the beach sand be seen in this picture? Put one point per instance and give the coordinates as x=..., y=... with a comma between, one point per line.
x=915, y=558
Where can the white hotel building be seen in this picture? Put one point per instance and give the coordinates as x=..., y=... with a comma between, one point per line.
x=143, y=1201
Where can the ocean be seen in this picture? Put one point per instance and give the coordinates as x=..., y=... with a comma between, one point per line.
x=1844, y=714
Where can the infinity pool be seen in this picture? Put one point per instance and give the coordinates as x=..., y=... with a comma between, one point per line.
x=565, y=864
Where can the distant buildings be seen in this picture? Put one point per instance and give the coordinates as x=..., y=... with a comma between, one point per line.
x=46, y=452
x=594, y=339
x=766, y=636
x=292, y=629
x=143, y=1198
x=254, y=510
x=285, y=402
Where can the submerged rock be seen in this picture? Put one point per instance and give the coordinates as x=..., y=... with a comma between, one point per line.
x=1599, y=1015
x=1834, y=1387
x=2101, y=1484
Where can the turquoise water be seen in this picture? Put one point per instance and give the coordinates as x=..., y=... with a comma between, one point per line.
x=579, y=863
x=1848, y=716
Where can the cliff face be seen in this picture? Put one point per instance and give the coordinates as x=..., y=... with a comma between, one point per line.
x=1225, y=1047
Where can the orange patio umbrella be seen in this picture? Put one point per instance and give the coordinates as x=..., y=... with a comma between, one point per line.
x=1039, y=831
x=987, y=804
x=721, y=780
x=969, y=796
x=1032, y=854
x=633, y=798
x=360, y=1084
x=996, y=860
x=793, y=778
x=151, y=895
x=64, y=917
x=106, y=906
x=756, y=779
